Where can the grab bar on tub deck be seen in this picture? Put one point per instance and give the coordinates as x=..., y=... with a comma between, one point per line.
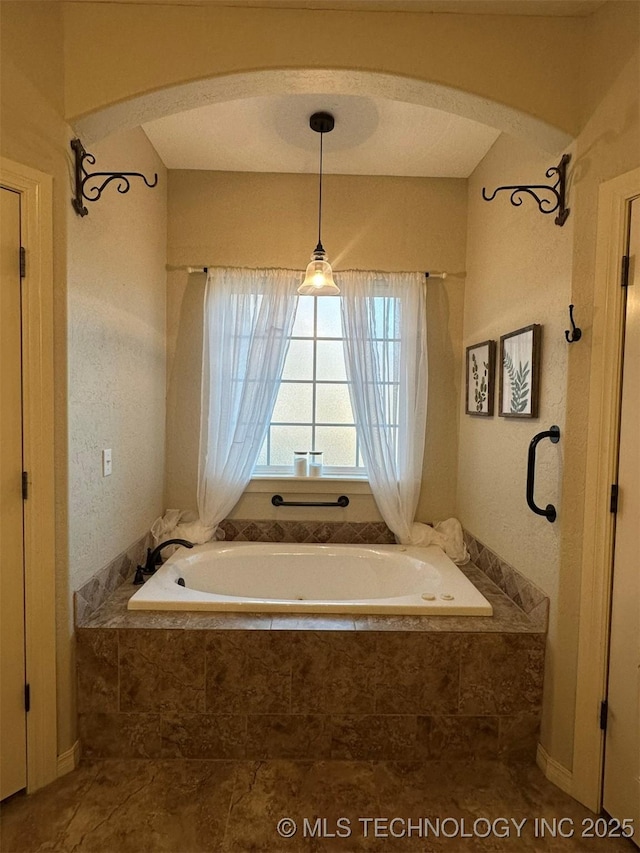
x=278, y=500
x=553, y=434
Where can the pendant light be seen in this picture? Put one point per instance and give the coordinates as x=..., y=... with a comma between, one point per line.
x=318, y=280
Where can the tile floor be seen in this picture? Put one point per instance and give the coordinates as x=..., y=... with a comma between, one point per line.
x=186, y=806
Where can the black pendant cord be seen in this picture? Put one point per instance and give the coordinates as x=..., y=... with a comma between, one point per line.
x=319, y=247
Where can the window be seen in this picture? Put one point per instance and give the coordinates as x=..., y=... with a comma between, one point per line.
x=313, y=409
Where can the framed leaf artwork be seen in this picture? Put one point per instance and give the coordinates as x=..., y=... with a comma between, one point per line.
x=481, y=369
x=520, y=372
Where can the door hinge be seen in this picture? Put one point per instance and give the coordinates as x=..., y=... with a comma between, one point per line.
x=604, y=710
x=27, y=697
x=25, y=485
x=624, y=273
x=23, y=262
x=613, y=503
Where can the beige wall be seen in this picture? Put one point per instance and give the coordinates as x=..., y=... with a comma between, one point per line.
x=109, y=287
x=264, y=220
x=33, y=132
x=116, y=348
x=582, y=76
x=481, y=54
x=608, y=145
x=545, y=268
x=518, y=273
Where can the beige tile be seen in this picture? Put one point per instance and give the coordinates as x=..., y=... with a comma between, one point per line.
x=501, y=673
x=119, y=735
x=333, y=672
x=266, y=792
x=312, y=622
x=373, y=736
x=417, y=673
x=208, y=621
x=203, y=736
x=519, y=735
x=287, y=736
x=97, y=670
x=162, y=671
x=457, y=737
x=248, y=672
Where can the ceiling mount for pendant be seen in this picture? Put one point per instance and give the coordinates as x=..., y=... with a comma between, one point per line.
x=322, y=122
x=318, y=280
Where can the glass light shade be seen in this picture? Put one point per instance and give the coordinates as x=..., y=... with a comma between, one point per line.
x=318, y=280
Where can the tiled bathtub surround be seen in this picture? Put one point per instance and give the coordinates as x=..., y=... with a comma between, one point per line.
x=357, y=533
x=97, y=589
x=308, y=694
x=520, y=589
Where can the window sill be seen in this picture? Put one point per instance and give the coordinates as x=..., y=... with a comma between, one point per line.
x=317, y=485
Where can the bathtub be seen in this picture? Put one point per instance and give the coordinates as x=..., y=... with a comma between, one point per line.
x=272, y=577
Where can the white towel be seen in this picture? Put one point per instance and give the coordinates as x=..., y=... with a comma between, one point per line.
x=446, y=534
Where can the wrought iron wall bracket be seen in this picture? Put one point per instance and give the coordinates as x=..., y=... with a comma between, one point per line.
x=89, y=188
x=553, y=196
x=278, y=500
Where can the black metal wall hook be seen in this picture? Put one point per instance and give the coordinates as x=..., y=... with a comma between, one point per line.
x=553, y=434
x=95, y=192
x=575, y=333
x=557, y=191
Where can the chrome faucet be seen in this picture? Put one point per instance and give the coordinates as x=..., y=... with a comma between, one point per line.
x=154, y=559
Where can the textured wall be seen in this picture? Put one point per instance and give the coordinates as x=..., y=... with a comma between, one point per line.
x=518, y=272
x=116, y=284
x=480, y=54
x=35, y=134
x=609, y=145
x=548, y=268
x=264, y=220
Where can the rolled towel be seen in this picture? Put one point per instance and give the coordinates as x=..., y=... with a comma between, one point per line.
x=446, y=534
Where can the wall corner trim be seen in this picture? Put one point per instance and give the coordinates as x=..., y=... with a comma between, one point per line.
x=69, y=759
x=554, y=771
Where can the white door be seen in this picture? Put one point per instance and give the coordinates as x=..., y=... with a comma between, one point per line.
x=621, y=795
x=13, y=728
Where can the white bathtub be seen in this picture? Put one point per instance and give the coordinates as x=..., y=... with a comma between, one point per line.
x=265, y=576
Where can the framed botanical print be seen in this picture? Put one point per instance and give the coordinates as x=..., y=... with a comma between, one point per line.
x=481, y=363
x=520, y=372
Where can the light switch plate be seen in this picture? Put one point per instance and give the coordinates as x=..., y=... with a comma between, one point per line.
x=106, y=462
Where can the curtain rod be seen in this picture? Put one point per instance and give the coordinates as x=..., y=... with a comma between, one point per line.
x=188, y=269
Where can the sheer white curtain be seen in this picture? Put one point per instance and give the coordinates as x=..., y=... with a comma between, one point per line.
x=248, y=318
x=384, y=322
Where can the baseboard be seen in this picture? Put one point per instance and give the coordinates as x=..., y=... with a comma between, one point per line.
x=554, y=771
x=69, y=760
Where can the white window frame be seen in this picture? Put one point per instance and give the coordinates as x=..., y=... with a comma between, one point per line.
x=329, y=471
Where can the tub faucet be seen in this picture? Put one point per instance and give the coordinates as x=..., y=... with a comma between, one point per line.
x=154, y=559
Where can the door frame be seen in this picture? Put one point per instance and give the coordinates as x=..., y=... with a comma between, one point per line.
x=36, y=224
x=601, y=471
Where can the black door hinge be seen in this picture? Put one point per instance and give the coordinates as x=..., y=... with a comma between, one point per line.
x=613, y=503
x=25, y=485
x=624, y=273
x=604, y=710
x=27, y=697
x=23, y=262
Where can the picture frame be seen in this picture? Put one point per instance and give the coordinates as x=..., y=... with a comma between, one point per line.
x=480, y=379
x=519, y=362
